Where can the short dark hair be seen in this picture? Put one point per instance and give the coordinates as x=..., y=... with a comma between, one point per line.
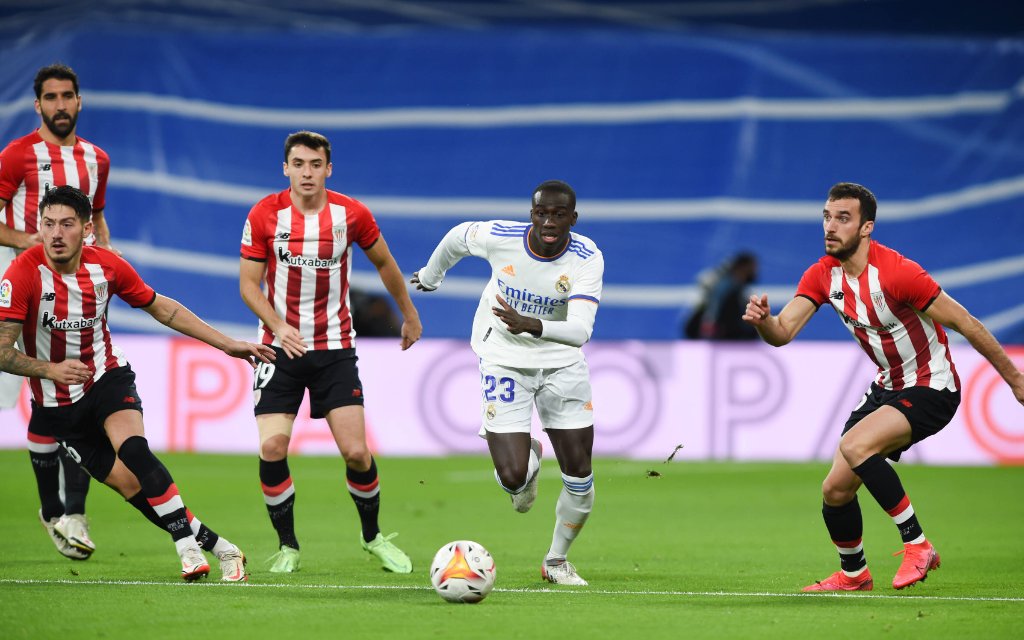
x=56, y=70
x=559, y=187
x=70, y=197
x=311, y=139
x=868, y=204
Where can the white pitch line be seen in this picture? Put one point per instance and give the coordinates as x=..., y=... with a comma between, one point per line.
x=545, y=590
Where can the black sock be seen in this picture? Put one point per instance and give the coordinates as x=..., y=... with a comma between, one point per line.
x=364, y=487
x=76, y=483
x=46, y=466
x=139, y=502
x=279, y=496
x=846, y=527
x=884, y=484
x=205, y=536
x=157, y=486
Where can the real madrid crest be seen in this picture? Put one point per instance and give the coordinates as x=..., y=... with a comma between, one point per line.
x=491, y=411
x=562, y=286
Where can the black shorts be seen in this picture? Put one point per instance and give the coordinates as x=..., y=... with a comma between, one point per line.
x=927, y=410
x=78, y=427
x=331, y=377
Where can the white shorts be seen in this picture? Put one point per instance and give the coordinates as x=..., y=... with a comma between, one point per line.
x=562, y=397
x=10, y=384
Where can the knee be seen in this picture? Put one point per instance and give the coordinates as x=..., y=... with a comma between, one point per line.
x=134, y=451
x=855, y=451
x=836, y=493
x=510, y=475
x=357, y=455
x=274, y=448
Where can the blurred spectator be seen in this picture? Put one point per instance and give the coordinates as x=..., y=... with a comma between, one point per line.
x=372, y=315
x=719, y=314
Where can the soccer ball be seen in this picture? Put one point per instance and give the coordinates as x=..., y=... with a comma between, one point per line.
x=462, y=571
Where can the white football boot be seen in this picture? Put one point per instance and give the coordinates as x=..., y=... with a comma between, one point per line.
x=562, y=573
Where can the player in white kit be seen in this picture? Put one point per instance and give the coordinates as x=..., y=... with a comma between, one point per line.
x=535, y=313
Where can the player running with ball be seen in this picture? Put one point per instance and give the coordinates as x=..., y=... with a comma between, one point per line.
x=535, y=313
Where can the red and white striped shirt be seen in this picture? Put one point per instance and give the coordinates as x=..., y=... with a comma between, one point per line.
x=309, y=264
x=30, y=166
x=64, y=315
x=883, y=309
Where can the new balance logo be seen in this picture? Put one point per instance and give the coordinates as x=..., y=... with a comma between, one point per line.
x=44, y=167
x=510, y=270
x=836, y=295
x=49, y=296
x=129, y=400
x=284, y=235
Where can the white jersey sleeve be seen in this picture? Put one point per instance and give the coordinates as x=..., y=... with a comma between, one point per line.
x=453, y=247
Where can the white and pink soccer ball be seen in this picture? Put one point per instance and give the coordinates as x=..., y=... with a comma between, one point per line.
x=462, y=571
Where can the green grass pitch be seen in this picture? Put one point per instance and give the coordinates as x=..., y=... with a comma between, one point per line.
x=700, y=550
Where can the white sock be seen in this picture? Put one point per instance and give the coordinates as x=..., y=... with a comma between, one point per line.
x=571, y=512
x=185, y=543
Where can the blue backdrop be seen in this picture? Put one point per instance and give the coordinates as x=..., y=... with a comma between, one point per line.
x=684, y=148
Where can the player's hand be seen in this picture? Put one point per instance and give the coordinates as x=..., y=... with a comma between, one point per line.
x=30, y=240
x=412, y=329
x=291, y=340
x=70, y=372
x=415, y=279
x=757, y=311
x=250, y=352
x=515, y=321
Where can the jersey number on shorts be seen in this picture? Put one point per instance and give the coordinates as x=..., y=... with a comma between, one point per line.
x=261, y=377
x=491, y=383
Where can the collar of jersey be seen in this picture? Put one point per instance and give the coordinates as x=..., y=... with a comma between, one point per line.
x=530, y=252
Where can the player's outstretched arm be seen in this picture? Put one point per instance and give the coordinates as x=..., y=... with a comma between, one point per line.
x=781, y=329
x=17, y=363
x=394, y=282
x=453, y=247
x=950, y=313
x=173, y=314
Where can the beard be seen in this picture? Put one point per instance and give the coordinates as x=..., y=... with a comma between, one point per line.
x=844, y=252
x=62, y=128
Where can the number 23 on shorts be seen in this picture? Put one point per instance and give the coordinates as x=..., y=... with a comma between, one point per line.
x=507, y=393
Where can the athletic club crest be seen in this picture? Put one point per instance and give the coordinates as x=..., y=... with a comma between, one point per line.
x=338, y=232
x=562, y=286
x=101, y=292
x=879, y=299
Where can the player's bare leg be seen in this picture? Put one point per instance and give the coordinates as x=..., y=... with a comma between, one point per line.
x=573, y=449
x=517, y=459
x=864, y=446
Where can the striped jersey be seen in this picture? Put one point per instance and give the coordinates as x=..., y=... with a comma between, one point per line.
x=533, y=285
x=64, y=315
x=309, y=264
x=884, y=308
x=30, y=166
